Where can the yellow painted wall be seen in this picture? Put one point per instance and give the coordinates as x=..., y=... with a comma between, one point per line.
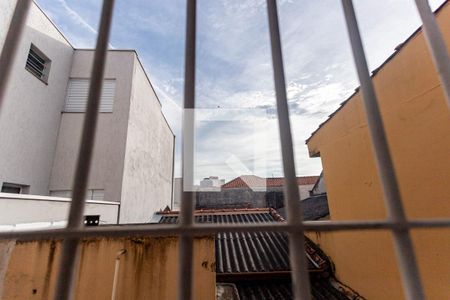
x=148, y=270
x=417, y=122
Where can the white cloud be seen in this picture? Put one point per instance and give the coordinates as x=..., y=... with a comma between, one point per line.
x=234, y=68
x=77, y=18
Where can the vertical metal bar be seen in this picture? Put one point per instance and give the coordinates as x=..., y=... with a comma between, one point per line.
x=185, y=273
x=299, y=265
x=11, y=45
x=172, y=195
x=69, y=253
x=436, y=44
x=403, y=244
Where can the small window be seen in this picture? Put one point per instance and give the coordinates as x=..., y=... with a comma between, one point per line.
x=38, y=64
x=13, y=188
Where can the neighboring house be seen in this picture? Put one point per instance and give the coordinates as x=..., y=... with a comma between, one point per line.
x=315, y=207
x=252, y=191
x=417, y=123
x=42, y=118
x=256, y=265
x=305, y=184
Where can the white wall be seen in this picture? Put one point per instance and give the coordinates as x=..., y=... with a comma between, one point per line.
x=19, y=209
x=31, y=111
x=147, y=178
x=6, y=13
x=109, y=151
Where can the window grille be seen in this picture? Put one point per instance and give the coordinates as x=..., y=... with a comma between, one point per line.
x=397, y=222
x=38, y=64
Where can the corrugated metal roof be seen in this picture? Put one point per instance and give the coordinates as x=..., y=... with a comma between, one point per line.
x=264, y=290
x=258, y=262
x=255, y=251
x=321, y=289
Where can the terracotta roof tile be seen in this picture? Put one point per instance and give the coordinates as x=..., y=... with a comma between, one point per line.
x=245, y=181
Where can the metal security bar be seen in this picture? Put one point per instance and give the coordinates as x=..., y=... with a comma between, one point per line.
x=436, y=44
x=397, y=222
x=12, y=40
x=185, y=273
x=298, y=262
x=69, y=253
x=402, y=238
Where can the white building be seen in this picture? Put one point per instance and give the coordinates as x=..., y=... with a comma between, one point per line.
x=211, y=182
x=41, y=121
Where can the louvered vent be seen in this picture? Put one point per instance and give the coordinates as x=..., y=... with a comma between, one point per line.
x=77, y=95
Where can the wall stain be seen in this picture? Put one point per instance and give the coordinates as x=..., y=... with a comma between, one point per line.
x=48, y=272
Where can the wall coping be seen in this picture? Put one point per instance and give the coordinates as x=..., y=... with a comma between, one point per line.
x=52, y=199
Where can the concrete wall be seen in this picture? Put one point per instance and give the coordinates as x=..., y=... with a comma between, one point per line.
x=231, y=198
x=147, y=176
x=6, y=13
x=109, y=151
x=31, y=111
x=417, y=123
x=148, y=269
x=177, y=192
x=20, y=209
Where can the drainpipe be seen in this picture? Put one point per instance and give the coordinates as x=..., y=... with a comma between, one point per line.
x=116, y=273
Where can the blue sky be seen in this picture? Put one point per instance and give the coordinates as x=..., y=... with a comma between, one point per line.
x=234, y=74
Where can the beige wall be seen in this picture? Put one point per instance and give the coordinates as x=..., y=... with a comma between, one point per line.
x=147, y=176
x=148, y=270
x=31, y=112
x=109, y=151
x=418, y=128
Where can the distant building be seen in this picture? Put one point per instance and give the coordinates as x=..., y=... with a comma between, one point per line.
x=211, y=182
x=271, y=184
x=315, y=207
x=417, y=124
x=250, y=191
x=319, y=187
x=42, y=118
